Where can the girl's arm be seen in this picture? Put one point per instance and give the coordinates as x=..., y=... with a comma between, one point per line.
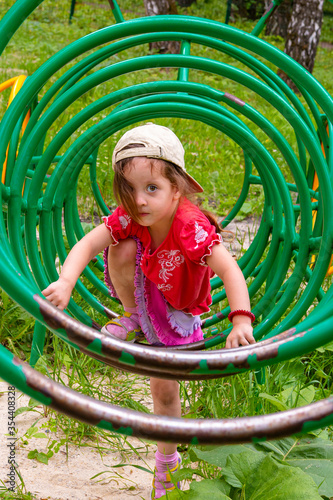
x=224, y=265
x=59, y=292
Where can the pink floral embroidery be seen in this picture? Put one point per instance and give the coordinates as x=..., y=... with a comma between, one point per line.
x=124, y=220
x=200, y=234
x=164, y=288
x=169, y=260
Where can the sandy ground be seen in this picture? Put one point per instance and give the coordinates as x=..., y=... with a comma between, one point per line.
x=69, y=476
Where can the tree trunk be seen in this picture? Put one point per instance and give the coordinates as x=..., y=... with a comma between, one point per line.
x=303, y=33
x=162, y=7
x=248, y=9
x=277, y=23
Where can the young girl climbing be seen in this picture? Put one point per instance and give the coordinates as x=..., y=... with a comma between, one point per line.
x=160, y=252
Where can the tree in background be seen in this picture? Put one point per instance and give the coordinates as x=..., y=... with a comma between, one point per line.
x=162, y=7
x=277, y=23
x=303, y=33
x=297, y=21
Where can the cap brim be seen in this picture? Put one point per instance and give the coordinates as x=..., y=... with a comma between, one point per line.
x=194, y=184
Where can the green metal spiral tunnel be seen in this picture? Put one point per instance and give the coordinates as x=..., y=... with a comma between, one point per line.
x=289, y=257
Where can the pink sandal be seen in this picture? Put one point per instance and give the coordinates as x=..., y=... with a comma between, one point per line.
x=126, y=327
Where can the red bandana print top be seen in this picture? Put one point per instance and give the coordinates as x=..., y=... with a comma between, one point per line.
x=178, y=266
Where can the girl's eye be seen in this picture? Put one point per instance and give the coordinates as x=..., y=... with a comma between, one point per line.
x=151, y=188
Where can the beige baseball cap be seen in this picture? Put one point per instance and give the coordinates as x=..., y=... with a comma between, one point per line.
x=158, y=142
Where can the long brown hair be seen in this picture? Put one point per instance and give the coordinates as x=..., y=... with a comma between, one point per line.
x=124, y=196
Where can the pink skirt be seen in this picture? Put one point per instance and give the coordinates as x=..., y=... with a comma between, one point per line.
x=160, y=322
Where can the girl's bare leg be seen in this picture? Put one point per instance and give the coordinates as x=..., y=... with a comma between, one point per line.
x=121, y=265
x=166, y=402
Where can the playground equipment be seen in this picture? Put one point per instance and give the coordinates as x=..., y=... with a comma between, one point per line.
x=291, y=251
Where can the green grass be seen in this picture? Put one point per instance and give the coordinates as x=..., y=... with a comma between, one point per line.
x=278, y=387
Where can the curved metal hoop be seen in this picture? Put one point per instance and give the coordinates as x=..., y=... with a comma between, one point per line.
x=279, y=256
x=133, y=423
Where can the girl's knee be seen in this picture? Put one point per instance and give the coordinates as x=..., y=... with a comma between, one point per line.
x=166, y=392
x=123, y=253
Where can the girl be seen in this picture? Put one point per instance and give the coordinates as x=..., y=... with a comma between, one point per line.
x=160, y=252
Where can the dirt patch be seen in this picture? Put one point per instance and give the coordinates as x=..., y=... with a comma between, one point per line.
x=241, y=234
x=69, y=473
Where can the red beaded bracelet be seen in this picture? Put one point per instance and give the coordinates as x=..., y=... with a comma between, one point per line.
x=241, y=312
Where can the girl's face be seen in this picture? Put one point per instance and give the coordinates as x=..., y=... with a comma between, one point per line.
x=155, y=197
